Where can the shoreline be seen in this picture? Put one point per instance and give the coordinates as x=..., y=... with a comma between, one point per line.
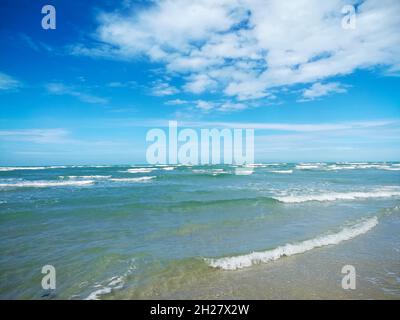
x=315, y=274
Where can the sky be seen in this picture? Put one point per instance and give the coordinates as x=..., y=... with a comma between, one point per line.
x=313, y=86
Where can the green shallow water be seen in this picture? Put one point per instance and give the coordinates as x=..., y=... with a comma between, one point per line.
x=111, y=238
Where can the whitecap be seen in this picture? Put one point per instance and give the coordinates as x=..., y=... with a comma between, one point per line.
x=247, y=260
x=140, y=179
x=332, y=196
x=44, y=184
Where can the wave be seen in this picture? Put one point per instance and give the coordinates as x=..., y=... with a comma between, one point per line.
x=247, y=260
x=308, y=166
x=243, y=171
x=360, y=166
x=212, y=172
x=31, y=168
x=224, y=202
x=281, y=171
x=332, y=196
x=140, y=170
x=21, y=168
x=392, y=169
x=168, y=168
x=44, y=184
x=85, y=177
x=114, y=284
x=141, y=179
x=346, y=166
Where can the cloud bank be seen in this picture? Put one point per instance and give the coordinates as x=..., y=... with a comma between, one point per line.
x=245, y=48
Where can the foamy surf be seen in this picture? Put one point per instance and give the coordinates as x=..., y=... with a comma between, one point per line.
x=247, y=260
x=115, y=283
x=30, y=168
x=97, y=177
x=141, y=179
x=21, y=168
x=140, y=170
x=333, y=196
x=282, y=171
x=44, y=184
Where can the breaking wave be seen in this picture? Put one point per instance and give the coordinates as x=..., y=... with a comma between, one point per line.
x=44, y=184
x=332, y=196
x=247, y=260
x=140, y=170
x=141, y=179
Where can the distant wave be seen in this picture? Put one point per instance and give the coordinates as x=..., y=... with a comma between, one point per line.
x=85, y=177
x=332, y=196
x=347, y=166
x=140, y=170
x=44, y=184
x=141, y=179
x=247, y=260
x=224, y=202
x=309, y=166
x=168, y=168
x=30, y=168
x=20, y=168
x=281, y=171
x=212, y=172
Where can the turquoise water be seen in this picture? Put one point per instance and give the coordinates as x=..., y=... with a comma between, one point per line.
x=117, y=230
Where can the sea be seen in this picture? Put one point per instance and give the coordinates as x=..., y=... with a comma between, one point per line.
x=262, y=231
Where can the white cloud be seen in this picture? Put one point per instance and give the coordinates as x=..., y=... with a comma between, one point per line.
x=119, y=84
x=319, y=89
x=246, y=47
x=205, y=105
x=176, y=102
x=200, y=83
x=61, y=89
x=7, y=82
x=163, y=89
x=35, y=135
x=231, y=106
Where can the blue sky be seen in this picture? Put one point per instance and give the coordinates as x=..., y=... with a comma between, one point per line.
x=88, y=91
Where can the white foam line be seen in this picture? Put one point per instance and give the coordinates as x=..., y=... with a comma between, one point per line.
x=140, y=170
x=21, y=168
x=85, y=177
x=141, y=179
x=44, y=184
x=332, y=196
x=281, y=171
x=247, y=260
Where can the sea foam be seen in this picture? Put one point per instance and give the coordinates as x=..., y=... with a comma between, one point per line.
x=332, y=196
x=141, y=179
x=282, y=171
x=44, y=184
x=140, y=170
x=247, y=260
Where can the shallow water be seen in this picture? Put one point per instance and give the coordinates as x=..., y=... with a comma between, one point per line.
x=190, y=232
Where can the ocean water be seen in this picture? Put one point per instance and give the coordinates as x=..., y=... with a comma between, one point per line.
x=179, y=231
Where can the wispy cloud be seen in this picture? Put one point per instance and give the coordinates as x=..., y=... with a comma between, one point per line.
x=120, y=84
x=176, y=102
x=58, y=88
x=318, y=90
x=161, y=88
x=259, y=126
x=37, y=46
x=7, y=82
x=35, y=135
